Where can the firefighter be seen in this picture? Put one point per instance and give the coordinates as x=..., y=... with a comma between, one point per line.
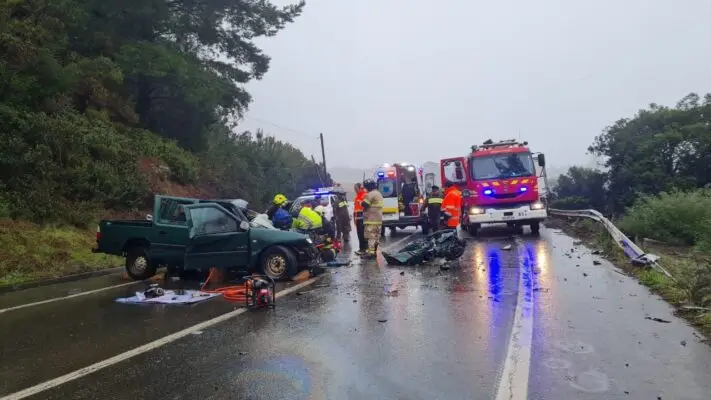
x=360, y=193
x=434, y=207
x=278, y=213
x=452, y=205
x=307, y=220
x=326, y=225
x=343, y=221
x=372, y=216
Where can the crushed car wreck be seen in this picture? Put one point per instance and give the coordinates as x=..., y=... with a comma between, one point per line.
x=443, y=244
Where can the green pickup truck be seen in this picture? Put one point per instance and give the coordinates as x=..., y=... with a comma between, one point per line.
x=193, y=234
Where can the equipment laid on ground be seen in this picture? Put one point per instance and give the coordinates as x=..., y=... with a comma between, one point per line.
x=256, y=291
x=153, y=291
x=501, y=182
x=152, y=296
x=441, y=244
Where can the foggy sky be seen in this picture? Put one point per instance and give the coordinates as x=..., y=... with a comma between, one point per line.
x=416, y=80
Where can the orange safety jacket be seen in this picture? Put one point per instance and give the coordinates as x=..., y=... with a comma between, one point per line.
x=452, y=204
x=357, y=206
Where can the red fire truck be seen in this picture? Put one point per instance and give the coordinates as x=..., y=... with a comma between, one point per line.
x=501, y=182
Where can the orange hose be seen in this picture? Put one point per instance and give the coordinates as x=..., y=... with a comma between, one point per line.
x=232, y=293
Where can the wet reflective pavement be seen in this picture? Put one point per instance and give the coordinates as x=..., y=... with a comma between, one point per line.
x=375, y=331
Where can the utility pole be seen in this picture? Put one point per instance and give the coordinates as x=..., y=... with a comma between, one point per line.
x=318, y=170
x=323, y=156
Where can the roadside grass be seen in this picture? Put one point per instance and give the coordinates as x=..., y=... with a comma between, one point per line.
x=690, y=290
x=30, y=252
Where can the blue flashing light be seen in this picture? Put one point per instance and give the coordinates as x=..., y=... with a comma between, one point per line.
x=488, y=192
x=523, y=189
x=381, y=174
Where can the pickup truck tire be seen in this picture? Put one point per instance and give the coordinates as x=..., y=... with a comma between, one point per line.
x=138, y=264
x=278, y=262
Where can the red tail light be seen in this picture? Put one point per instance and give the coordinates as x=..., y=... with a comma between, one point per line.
x=98, y=233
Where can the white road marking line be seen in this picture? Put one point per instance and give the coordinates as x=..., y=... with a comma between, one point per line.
x=513, y=384
x=71, y=296
x=143, y=349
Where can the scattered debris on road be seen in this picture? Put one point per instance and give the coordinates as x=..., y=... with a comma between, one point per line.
x=444, y=245
x=596, y=262
x=382, y=320
x=655, y=319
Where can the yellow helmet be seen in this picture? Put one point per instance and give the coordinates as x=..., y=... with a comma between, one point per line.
x=279, y=199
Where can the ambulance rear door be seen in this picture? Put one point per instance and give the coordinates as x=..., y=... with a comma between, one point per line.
x=388, y=188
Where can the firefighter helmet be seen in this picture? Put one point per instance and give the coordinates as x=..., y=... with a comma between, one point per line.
x=279, y=199
x=369, y=184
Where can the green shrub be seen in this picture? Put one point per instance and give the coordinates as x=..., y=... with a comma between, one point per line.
x=571, y=203
x=676, y=217
x=65, y=167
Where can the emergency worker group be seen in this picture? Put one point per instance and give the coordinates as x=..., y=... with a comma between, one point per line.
x=443, y=212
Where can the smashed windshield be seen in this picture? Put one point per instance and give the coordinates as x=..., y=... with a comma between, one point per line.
x=502, y=166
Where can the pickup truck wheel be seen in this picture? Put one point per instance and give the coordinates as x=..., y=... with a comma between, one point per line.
x=278, y=262
x=138, y=264
x=473, y=229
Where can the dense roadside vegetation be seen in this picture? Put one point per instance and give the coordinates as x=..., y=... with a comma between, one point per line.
x=655, y=184
x=104, y=103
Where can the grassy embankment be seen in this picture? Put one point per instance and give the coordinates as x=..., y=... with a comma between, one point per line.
x=34, y=250
x=674, y=226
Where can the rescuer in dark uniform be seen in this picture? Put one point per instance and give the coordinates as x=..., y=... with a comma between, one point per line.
x=434, y=208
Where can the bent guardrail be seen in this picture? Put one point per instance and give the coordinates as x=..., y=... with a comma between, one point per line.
x=630, y=248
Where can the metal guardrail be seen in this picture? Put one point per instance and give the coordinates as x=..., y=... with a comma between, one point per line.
x=630, y=248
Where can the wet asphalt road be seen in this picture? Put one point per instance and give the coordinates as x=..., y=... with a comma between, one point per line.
x=374, y=331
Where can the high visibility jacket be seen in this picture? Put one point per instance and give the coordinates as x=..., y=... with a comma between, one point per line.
x=374, y=213
x=307, y=219
x=452, y=204
x=357, y=206
x=434, y=204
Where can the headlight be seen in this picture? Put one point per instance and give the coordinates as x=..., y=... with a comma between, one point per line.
x=476, y=211
x=537, y=206
x=309, y=241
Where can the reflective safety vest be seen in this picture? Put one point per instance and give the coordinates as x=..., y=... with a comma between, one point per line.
x=452, y=204
x=307, y=219
x=357, y=206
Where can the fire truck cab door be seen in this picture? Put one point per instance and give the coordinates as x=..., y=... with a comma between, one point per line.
x=454, y=170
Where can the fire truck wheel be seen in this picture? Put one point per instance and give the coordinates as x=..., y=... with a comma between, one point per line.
x=535, y=227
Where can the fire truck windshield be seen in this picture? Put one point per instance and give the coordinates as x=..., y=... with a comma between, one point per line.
x=501, y=166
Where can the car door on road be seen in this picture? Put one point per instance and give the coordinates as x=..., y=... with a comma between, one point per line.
x=218, y=238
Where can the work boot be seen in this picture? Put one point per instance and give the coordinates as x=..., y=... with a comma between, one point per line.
x=360, y=252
